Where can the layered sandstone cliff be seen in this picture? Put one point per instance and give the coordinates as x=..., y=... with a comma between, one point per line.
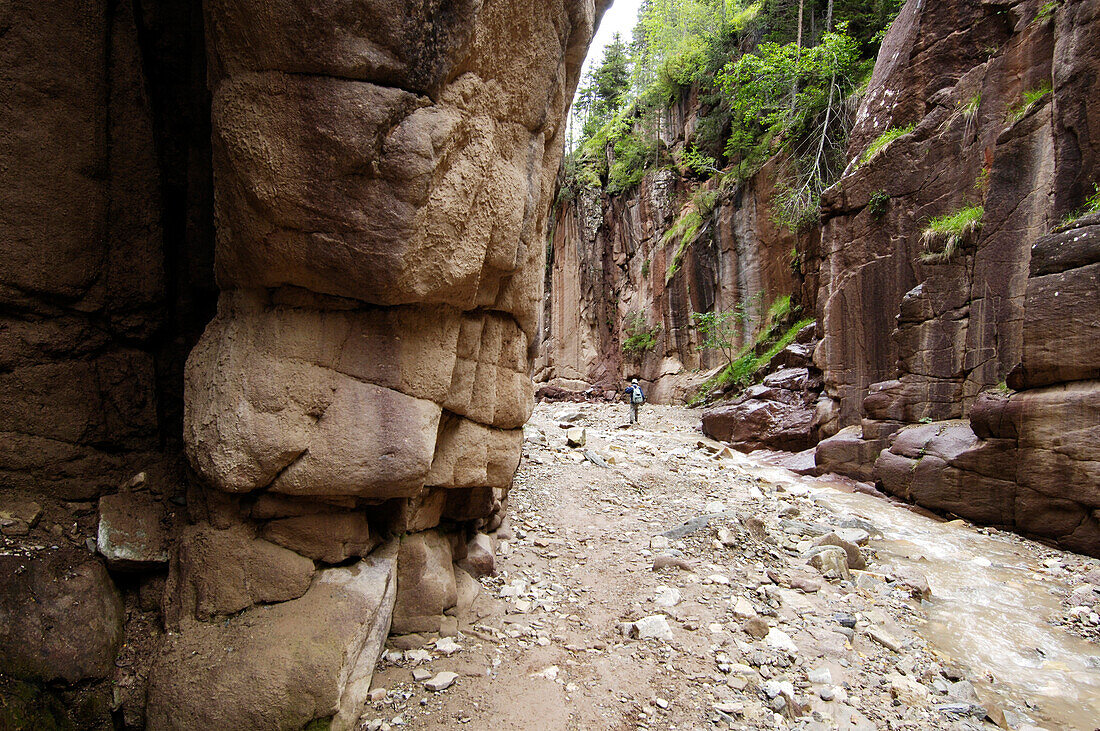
x=350, y=415
x=997, y=94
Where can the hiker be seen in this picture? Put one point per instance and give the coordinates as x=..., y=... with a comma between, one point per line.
x=636, y=398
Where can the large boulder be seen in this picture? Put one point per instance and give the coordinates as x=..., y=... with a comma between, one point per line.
x=131, y=532
x=848, y=453
x=220, y=572
x=60, y=617
x=758, y=424
x=425, y=583
x=331, y=537
x=945, y=466
x=283, y=665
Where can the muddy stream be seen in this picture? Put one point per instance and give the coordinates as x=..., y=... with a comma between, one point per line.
x=989, y=608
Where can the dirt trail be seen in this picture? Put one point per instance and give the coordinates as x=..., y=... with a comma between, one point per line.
x=749, y=635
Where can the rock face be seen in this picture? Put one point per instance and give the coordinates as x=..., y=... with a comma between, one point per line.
x=106, y=281
x=911, y=337
x=317, y=654
x=359, y=371
x=611, y=261
x=946, y=329
x=102, y=285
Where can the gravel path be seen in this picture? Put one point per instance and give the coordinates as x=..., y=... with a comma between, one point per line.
x=660, y=583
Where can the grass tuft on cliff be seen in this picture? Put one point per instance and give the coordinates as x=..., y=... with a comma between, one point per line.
x=1031, y=98
x=945, y=233
x=880, y=143
x=1092, y=205
x=686, y=229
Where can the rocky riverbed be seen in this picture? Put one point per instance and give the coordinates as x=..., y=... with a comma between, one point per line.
x=649, y=578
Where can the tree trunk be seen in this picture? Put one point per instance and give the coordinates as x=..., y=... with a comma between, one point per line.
x=798, y=53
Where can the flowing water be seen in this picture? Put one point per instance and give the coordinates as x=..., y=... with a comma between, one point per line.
x=991, y=597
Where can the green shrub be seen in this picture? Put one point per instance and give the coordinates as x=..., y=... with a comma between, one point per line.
x=645, y=268
x=634, y=154
x=640, y=337
x=773, y=334
x=878, y=204
x=950, y=230
x=1031, y=98
x=698, y=163
x=880, y=143
x=748, y=367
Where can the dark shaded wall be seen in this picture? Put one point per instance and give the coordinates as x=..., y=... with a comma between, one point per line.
x=106, y=225
x=106, y=282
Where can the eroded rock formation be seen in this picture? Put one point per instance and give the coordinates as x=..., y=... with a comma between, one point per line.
x=910, y=337
x=351, y=414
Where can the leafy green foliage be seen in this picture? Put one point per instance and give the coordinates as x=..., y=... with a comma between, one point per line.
x=795, y=261
x=1092, y=203
x=634, y=154
x=786, y=97
x=880, y=143
x=640, y=337
x=697, y=162
x=949, y=231
x=776, y=332
x=877, y=205
x=867, y=20
x=760, y=93
x=759, y=87
x=1031, y=98
x=722, y=330
x=605, y=90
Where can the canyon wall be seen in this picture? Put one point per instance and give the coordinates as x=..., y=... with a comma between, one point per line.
x=964, y=380
x=613, y=273
x=988, y=353
x=106, y=282
x=367, y=184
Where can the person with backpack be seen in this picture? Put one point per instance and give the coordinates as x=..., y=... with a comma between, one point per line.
x=636, y=398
